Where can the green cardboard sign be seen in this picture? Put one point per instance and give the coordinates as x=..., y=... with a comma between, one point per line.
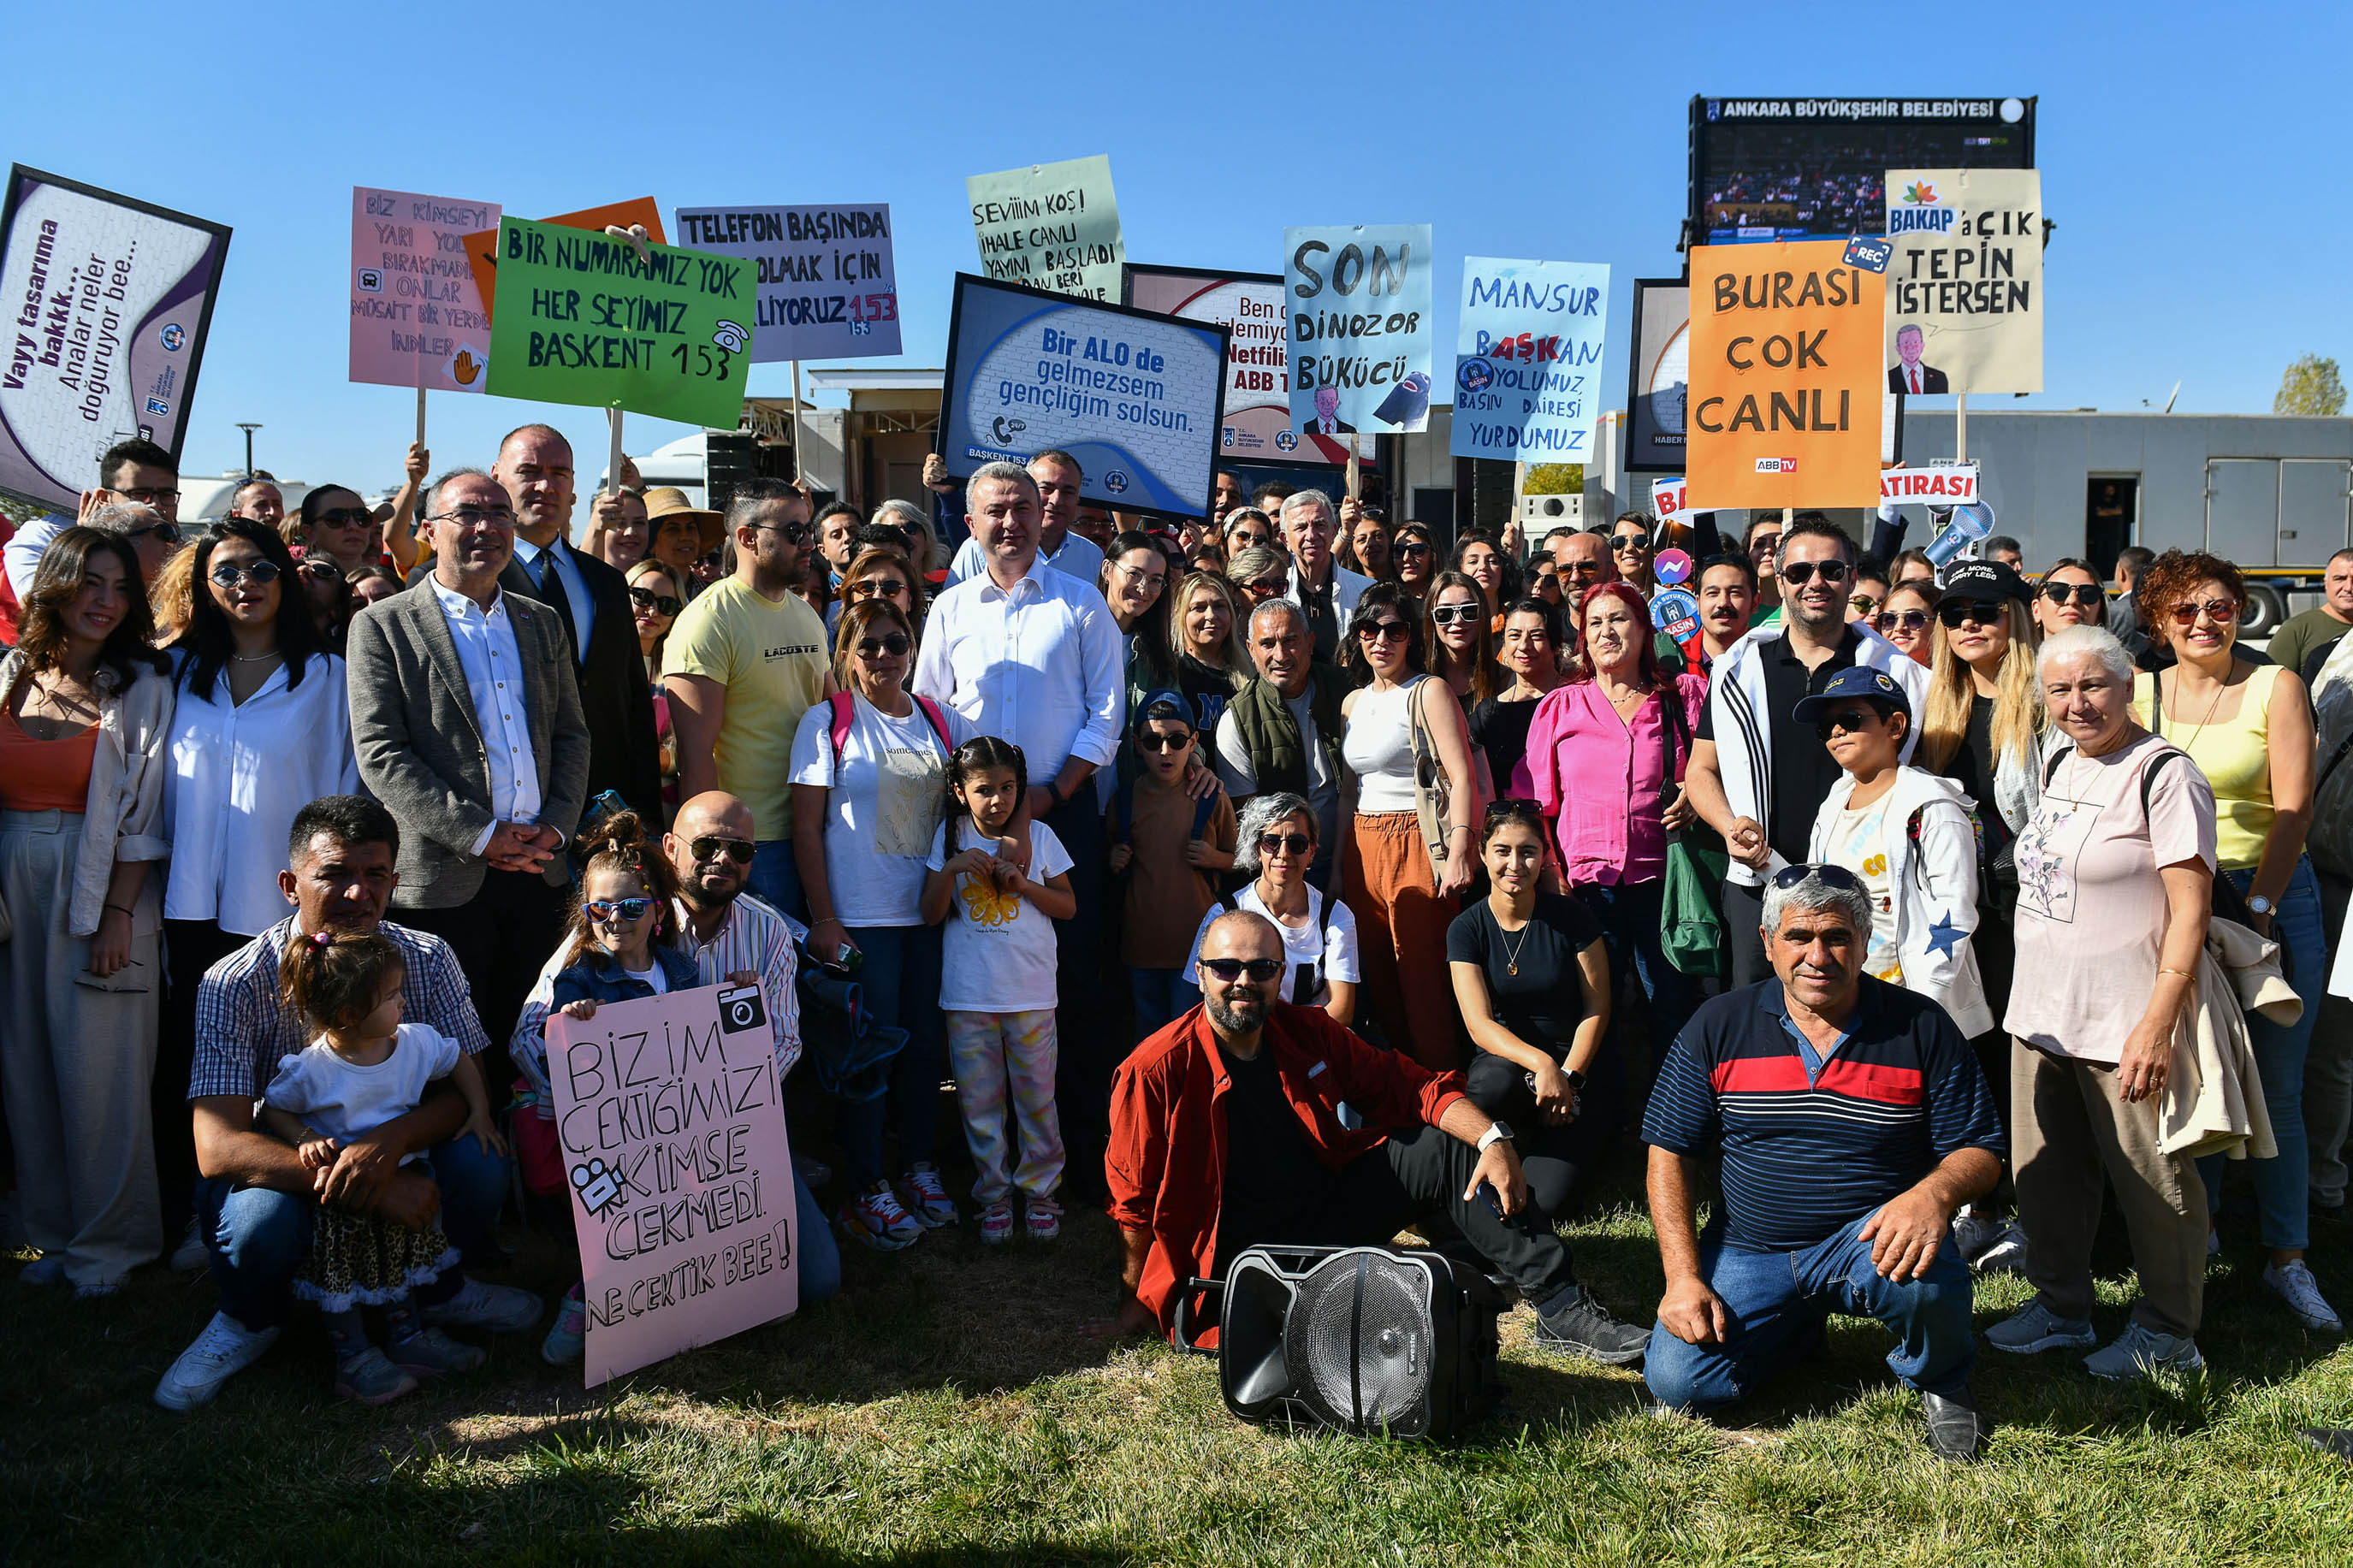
x=579, y=319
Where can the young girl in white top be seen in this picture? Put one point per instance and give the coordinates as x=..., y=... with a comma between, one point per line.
x=366, y=1068
x=997, y=982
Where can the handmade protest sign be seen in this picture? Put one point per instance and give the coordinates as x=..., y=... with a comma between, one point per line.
x=1527, y=365
x=1667, y=499
x=1356, y=299
x=1932, y=484
x=482, y=246
x=826, y=281
x=673, y=1142
x=1965, y=286
x=1249, y=305
x=580, y=319
x=417, y=311
x=1133, y=397
x=107, y=301
x=1786, y=392
x=1051, y=226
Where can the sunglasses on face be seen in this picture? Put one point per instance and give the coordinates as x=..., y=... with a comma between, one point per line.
x=342, y=516
x=1291, y=846
x=661, y=604
x=1232, y=969
x=1851, y=719
x=1382, y=631
x=2084, y=594
x=895, y=644
x=606, y=911
x=1266, y=585
x=1865, y=603
x=1410, y=547
x=1626, y=543
x=1788, y=877
x=318, y=572
x=228, y=573
x=1910, y=620
x=2222, y=612
x=711, y=846
x=878, y=588
x=790, y=533
x=1798, y=573
x=1453, y=615
x=1161, y=740
x=1952, y=613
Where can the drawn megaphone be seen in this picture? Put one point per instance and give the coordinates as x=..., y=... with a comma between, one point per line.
x=1957, y=530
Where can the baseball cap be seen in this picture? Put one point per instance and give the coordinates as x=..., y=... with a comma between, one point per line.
x=1986, y=582
x=1873, y=684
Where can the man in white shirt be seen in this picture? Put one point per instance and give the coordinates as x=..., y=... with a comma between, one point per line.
x=1061, y=546
x=1320, y=585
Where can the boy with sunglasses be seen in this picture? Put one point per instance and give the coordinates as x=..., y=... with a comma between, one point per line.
x=1170, y=850
x=1909, y=837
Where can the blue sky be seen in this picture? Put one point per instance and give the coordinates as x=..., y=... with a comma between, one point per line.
x=2185, y=153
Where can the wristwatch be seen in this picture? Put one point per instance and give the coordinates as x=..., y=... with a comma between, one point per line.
x=2259, y=905
x=1499, y=1132
x=1576, y=1078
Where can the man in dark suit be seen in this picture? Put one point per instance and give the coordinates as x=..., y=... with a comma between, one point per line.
x=1326, y=421
x=1911, y=376
x=466, y=716
x=592, y=600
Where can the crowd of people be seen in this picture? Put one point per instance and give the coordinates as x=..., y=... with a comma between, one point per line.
x=1283, y=876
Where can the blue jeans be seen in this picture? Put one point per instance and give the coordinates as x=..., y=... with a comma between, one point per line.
x=820, y=1254
x=259, y=1236
x=776, y=878
x=1776, y=1300
x=1161, y=996
x=900, y=978
x=1628, y=917
x=2283, y=1189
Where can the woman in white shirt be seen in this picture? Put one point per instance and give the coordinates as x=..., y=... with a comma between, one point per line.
x=260, y=729
x=1276, y=838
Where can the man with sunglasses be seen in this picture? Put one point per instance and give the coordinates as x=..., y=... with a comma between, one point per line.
x=1583, y=561
x=153, y=537
x=1252, y=1121
x=1849, y=1120
x=744, y=661
x=1757, y=776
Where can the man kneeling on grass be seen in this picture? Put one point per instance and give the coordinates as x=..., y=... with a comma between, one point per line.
x=1232, y=1128
x=1851, y=1120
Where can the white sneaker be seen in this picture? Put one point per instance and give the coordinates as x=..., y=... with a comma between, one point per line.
x=501, y=1309
x=191, y=1254
x=1973, y=1233
x=226, y=1348
x=2139, y=1352
x=2008, y=1252
x=2296, y=1287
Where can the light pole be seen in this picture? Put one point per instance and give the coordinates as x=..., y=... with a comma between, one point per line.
x=249, y=430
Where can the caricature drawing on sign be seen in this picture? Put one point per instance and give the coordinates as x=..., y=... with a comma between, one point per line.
x=1912, y=376
x=1327, y=415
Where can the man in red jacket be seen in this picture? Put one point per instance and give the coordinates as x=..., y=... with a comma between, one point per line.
x=1250, y=1120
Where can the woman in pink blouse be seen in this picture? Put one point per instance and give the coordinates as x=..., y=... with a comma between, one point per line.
x=1606, y=755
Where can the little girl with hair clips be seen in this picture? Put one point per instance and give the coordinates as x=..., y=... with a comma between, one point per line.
x=997, y=982
x=367, y=1067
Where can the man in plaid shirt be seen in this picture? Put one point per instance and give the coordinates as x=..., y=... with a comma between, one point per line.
x=253, y=1200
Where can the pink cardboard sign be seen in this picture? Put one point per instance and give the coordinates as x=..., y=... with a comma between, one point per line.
x=417, y=311
x=682, y=1180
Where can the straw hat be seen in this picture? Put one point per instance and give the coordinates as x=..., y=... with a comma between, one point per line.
x=669, y=500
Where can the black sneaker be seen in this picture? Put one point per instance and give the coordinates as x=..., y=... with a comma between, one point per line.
x=1955, y=1430
x=2336, y=1440
x=1579, y=1324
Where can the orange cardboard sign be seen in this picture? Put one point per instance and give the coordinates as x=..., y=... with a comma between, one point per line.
x=482, y=246
x=1786, y=377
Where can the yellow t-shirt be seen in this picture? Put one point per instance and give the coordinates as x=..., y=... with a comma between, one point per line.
x=2234, y=755
x=771, y=658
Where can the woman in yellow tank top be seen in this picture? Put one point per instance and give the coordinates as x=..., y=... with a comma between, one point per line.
x=2249, y=728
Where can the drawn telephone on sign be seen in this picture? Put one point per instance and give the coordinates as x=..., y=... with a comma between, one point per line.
x=599, y=1187
x=1004, y=429
x=732, y=336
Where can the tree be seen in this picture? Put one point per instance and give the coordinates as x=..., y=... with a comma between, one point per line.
x=1554, y=479
x=2311, y=386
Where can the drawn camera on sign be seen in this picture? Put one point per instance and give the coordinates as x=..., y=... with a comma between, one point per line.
x=742, y=1007
x=598, y=1187
x=730, y=336
x=370, y=280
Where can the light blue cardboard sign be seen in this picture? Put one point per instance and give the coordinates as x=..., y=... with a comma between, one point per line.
x=1527, y=367
x=1357, y=302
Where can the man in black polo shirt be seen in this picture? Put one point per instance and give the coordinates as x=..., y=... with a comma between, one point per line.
x=1757, y=776
x=1851, y=1120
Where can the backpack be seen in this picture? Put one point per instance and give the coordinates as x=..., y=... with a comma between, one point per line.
x=2227, y=902
x=844, y=714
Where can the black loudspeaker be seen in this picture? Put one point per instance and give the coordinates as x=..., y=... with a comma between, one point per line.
x=1360, y=1340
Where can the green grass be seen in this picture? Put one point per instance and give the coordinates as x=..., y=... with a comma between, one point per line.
x=947, y=1410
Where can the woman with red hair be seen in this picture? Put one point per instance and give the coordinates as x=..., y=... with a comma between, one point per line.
x=1605, y=754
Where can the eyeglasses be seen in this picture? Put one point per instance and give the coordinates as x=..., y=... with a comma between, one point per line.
x=1146, y=573
x=228, y=573
x=1953, y=613
x=1266, y=585
x=895, y=645
x=1232, y=969
x=711, y=846
x=168, y=532
x=1161, y=740
x=1865, y=603
x=476, y=516
x=1410, y=547
x=1788, y=877
x=877, y=588
x=1289, y=845
x=1850, y=719
x=1382, y=631
x=1449, y=615
x=1798, y=573
x=149, y=497
x=1910, y=620
x=790, y=533
x=604, y=912
x=661, y=604
x=2222, y=612
x=2084, y=594
x=342, y=516
x=318, y=572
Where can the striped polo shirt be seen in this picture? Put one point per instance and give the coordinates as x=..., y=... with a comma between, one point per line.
x=1805, y=1151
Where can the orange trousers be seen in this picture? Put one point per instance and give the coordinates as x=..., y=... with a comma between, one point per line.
x=1401, y=937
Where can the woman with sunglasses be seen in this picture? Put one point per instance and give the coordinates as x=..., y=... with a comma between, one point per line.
x=2069, y=594
x=1907, y=617
x=1259, y=573
x=1364, y=541
x=338, y=525
x=1531, y=975
x=1479, y=556
x=1605, y=753
x=869, y=789
x=1275, y=839
x=1454, y=629
x=1629, y=547
x=2249, y=728
x=1246, y=528
x=1414, y=560
x=1499, y=724
x=260, y=727
x=879, y=572
x=1405, y=737
x=1868, y=590
x=657, y=593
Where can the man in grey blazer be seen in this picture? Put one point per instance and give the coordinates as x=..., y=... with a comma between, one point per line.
x=466, y=718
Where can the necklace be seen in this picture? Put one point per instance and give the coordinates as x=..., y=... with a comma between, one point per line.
x=252, y=657
x=2221, y=687
x=1511, y=949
